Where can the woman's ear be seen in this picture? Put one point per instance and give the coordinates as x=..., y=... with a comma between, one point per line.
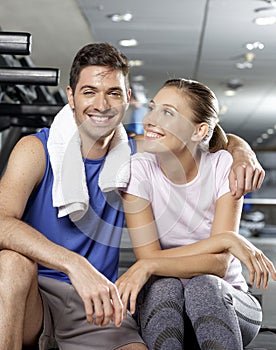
x=200, y=132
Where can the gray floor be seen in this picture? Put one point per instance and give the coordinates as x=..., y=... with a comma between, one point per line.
x=266, y=339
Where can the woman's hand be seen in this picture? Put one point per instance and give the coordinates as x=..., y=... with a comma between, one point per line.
x=131, y=282
x=258, y=264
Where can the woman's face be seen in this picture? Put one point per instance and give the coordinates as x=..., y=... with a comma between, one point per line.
x=168, y=124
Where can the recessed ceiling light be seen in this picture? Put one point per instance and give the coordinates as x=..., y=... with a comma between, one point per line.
x=223, y=109
x=136, y=63
x=128, y=42
x=255, y=45
x=229, y=93
x=244, y=65
x=117, y=17
x=259, y=140
x=138, y=78
x=264, y=21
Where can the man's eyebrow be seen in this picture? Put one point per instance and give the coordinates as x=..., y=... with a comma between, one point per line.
x=117, y=88
x=113, y=88
x=88, y=87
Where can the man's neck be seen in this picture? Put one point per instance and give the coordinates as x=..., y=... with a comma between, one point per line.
x=95, y=149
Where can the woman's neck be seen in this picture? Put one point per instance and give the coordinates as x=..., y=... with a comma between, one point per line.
x=180, y=169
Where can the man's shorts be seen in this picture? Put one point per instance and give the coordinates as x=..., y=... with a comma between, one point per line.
x=65, y=322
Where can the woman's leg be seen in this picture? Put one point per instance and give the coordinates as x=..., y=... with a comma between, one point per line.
x=160, y=314
x=222, y=316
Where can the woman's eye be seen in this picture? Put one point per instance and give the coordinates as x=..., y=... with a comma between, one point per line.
x=168, y=113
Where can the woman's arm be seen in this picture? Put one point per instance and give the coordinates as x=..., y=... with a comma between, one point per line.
x=246, y=173
x=132, y=281
x=144, y=237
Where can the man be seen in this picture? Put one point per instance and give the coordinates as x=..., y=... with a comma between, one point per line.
x=74, y=299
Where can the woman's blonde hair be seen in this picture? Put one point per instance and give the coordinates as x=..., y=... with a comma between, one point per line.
x=204, y=105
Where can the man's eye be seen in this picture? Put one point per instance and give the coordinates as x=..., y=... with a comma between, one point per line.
x=115, y=94
x=150, y=108
x=88, y=92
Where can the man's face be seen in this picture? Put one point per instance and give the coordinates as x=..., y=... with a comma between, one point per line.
x=100, y=100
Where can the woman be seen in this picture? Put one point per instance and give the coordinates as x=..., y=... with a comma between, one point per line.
x=183, y=222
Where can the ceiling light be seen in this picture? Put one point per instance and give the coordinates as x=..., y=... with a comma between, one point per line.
x=116, y=17
x=264, y=21
x=244, y=65
x=138, y=78
x=128, y=42
x=270, y=131
x=264, y=136
x=223, y=109
x=255, y=45
x=260, y=140
x=230, y=93
x=136, y=63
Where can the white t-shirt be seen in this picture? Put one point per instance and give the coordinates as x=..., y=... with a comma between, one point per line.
x=184, y=213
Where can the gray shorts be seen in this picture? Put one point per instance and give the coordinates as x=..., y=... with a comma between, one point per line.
x=65, y=322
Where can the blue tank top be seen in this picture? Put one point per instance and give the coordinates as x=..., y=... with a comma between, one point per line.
x=96, y=236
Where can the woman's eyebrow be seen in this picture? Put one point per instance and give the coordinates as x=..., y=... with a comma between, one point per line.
x=165, y=105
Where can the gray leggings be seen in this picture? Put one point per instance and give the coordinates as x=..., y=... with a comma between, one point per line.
x=207, y=314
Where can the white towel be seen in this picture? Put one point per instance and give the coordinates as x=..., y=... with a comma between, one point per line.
x=70, y=193
x=116, y=169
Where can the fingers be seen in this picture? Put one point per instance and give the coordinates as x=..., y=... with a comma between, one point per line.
x=128, y=293
x=259, y=268
x=117, y=307
x=237, y=181
x=103, y=307
x=244, y=179
x=89, y=310
x=253, y=179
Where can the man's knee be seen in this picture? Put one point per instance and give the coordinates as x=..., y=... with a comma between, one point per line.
x=17, y=268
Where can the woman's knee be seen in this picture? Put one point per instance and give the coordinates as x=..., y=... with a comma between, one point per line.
x=204, y=287
x=165, y=288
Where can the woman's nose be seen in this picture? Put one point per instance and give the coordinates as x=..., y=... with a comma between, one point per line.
x=151, y=118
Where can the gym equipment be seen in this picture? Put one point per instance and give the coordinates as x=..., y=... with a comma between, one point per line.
x=15, y=43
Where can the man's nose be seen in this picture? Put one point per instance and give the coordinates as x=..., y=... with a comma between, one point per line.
x=101, y=102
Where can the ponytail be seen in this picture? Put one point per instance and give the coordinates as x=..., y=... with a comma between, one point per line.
x=218, y=140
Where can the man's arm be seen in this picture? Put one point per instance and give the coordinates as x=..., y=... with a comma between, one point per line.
x=24, y=172
x=246, y=173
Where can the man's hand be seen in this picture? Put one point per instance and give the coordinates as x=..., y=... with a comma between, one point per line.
x=100, y=296
x=246, y=173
